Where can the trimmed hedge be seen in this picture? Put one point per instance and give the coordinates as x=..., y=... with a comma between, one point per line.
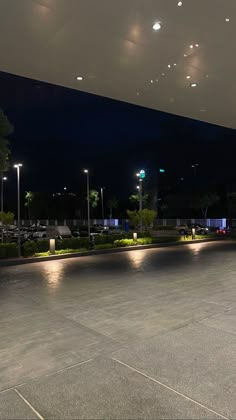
x=35, y=247
x=8, y=251
x=131, y=242
x=110, y=239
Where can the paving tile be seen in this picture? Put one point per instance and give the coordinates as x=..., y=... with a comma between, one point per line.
x=104, y=389
x=12, y=407
x=197, y=361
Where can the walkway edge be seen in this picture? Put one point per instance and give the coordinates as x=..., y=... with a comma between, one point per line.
x=29, y=260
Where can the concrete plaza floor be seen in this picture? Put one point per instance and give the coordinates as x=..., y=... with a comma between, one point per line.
x=142, y=334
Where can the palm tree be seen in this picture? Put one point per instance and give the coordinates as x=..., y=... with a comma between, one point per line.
x=112, y=204
x=29, y=196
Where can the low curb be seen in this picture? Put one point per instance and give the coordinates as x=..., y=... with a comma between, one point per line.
x=29, y=260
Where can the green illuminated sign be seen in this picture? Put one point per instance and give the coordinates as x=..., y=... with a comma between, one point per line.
x=142, y=174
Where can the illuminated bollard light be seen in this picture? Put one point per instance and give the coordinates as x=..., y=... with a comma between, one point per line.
x=52, y=246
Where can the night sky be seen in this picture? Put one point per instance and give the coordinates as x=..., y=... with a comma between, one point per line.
x=59, y=131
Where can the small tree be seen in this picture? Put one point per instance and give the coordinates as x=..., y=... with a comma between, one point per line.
x=135, y=199
x=6, y=219
x=148, y=217
x=29, y=196
x=134, y=217
x=206, y=201
x=94, y=199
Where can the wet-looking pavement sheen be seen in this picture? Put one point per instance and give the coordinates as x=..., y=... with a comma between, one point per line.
x=142, y=334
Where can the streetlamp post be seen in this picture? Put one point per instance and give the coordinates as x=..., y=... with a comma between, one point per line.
x=17, y=166
x=86, y=171
x=4, y=178
x=141, y=176
x=195, y=167
x=102, y=204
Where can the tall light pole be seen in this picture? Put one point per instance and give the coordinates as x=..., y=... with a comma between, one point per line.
x=86, y=172
x=17, y=166
x=141, y=175
x=4, y=178
x=195, y=167
x=102, y=204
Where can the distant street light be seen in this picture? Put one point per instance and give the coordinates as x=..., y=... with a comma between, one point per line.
x=195, y=166
x=86, y=172
x=4, y=178
x=17, y=166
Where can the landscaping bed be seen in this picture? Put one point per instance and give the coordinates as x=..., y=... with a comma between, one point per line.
x=105, y=242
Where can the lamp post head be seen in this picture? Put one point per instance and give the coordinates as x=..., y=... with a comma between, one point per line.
x=4, y=178
x=86, y=171
x=18, y=165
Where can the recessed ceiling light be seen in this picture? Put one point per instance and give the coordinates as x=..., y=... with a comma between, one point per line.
x=194, y=84
x=197, y=45
x=79, y=78
x=169, y=66
x=175, y=64
x=227, y=20
x=188, y=77
x=156, y=80
x=151, y=81
x=185, y=55
x=163, y=74
x=191, y=46
x=157, y=26
x=180, y=3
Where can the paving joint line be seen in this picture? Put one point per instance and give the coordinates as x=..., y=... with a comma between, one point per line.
x=36, y=378
x=170, y=389
x=29, y=405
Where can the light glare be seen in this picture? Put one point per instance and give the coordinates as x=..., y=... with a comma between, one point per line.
x=157, y=26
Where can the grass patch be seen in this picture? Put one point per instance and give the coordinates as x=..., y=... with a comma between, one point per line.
x=60, y=252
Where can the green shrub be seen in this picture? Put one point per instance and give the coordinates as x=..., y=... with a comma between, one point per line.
x=105, y=246
x=8, y=251
x=72, y=243
x=131, y=242
x=31, y=248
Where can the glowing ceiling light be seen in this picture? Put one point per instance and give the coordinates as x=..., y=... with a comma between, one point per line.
x=191, y=46
x=157, y=26
x=188, y=77
x=151, y=81
x=156, y=80
x=227, y=20
x=79, y=78
x=197, y=45
x=180, y=3
x=169, y=66
x=163, y=74
x=175, y=64
x=194, y=85
x=185, y=55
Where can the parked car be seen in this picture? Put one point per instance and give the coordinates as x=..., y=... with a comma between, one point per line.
x=186, y=229
x=222, y=231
